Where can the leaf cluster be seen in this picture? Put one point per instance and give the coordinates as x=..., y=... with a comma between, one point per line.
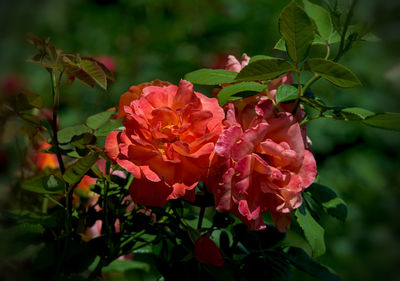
x=87, y=70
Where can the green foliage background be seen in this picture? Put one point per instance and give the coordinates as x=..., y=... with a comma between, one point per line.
x=166, y=39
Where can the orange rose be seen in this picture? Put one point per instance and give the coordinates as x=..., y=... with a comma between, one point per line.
x=134, y=93
x=170, y=133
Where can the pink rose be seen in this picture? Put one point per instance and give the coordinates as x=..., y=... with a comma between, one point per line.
x=261, y=164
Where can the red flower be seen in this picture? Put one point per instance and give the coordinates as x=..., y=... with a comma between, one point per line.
x=169, y=136
x=206, y=251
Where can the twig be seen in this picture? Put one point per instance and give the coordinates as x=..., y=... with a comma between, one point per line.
x=201, y=216
x=341, y=50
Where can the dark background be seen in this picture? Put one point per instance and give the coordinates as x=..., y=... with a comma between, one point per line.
x=166, y=39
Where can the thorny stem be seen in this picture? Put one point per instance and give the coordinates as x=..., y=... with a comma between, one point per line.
x=142, y=245
x=304, y=121
x=316, y=76
x=299, y=92
x=56, y=98
x=341, y=50
x=130, y=239
x=53, y=200
x=55, y=88
x=69, y=199
x=328, y=50
x=310, y=82
x=45, y=205
x=68, y=225
x=201, y=216
x=95, y=273
x=105, y=206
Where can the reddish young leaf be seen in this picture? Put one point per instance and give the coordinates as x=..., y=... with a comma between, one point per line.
x=206, y=251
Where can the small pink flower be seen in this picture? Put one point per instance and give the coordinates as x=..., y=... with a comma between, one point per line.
x=108, y=62
x=11, y=85
x=233, y=63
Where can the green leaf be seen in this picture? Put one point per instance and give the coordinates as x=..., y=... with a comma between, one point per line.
x=328, y=199
x=65, y=135
x=108, y=73
x=387, y=120
x=28, y=100
x=321, y=17
x=73, y=154
x=264, y=69
x=318, y=40
x=313, y=206
x=124, y=265
x=335, y=73
x=96, y=121
x=370, y=37
x=32, y=124
x=228, y=91
x=74, y=70
x=355, y=32
x=347, y=113
x=334, y=38
x=33, y=120
x=280, y=45
x=48, y=55
x=357, y=113
x=95, y=72
x=206, y=76
x=286, y=93
x=44, y=60
x=111, y=125
x=297, y=29
x=302, y=261
x=75, y=172
x=226, y=272
x=271, y=265
x=82, y=141
x=313, y=232
x=45, y=184
x=336, y=208
x=259, y=240
x=259, y=57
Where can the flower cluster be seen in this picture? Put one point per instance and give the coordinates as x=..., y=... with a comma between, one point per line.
x=252, y=155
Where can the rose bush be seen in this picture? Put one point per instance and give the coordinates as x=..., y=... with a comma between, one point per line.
x=170, y=133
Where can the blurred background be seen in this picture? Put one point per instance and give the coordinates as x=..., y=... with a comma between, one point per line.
x=159, y=39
